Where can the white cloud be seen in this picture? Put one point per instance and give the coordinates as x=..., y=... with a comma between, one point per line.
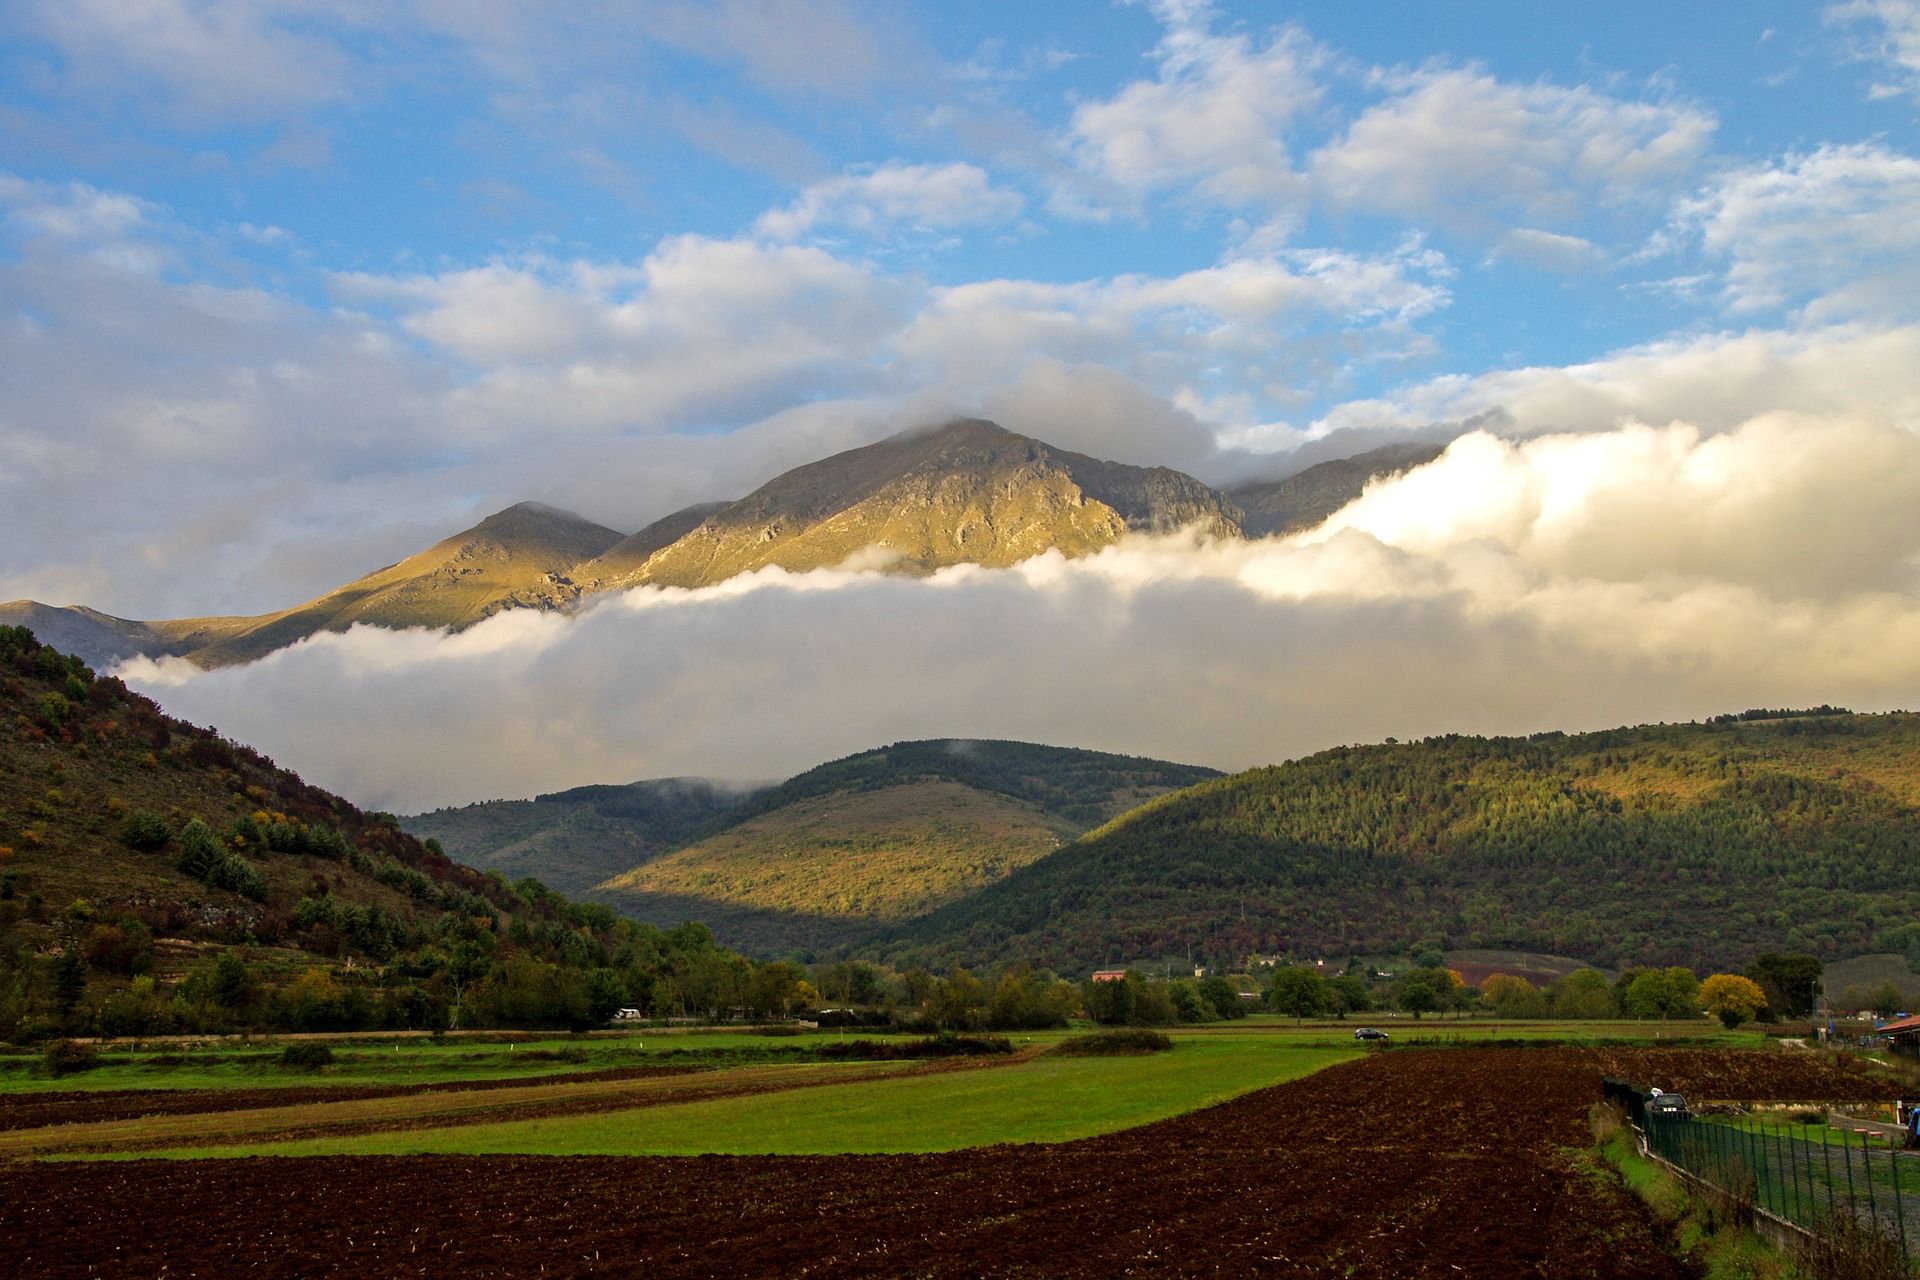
x=1895, y=42
x=1244, y=322
x=918, y=196
x=1556, y=583
x=1458, y=144
x=1547, y=249
x=1832, y=230
x=234, y=58
x=1715, y=381
x=1215, y=118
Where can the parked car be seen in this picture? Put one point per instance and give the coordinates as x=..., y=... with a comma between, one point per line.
x=1669, y=1106
x=1371, y=1033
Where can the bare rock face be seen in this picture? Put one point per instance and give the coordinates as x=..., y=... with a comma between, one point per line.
x=1306, y=499
x=969, y=492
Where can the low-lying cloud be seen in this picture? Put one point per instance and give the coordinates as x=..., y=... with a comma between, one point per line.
x=1559, y=582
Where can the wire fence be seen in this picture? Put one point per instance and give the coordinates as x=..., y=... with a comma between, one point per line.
x=1806, y=1177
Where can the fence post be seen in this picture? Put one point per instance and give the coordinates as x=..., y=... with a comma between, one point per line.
x=1873, y=1201
x=1826, y=1171
x=1853, y=1197
x=1899, y=1208
x=1786, y=1148
x=1787, y=1191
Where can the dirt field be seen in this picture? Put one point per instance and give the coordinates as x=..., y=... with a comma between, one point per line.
x=1444, y=1163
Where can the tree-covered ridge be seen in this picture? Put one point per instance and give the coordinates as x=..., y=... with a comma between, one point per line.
x=826, y=870
x=157, y=877
x=1083, y=787
x=574, y=839
x=1695, y=844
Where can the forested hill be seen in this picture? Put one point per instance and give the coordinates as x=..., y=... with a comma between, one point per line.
x=1085, y=788
x=141, y=857
x=1684, y=844
x=843, y=850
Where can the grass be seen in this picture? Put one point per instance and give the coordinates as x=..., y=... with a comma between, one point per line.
x=1703, y=1232
x=254, y=1063
x=1041, y=1099
x=237, y=1062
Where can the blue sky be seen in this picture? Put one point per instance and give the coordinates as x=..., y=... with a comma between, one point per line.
x=292, y=288
x=501, y=242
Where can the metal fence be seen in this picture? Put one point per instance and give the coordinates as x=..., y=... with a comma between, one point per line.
x=1802, y=1178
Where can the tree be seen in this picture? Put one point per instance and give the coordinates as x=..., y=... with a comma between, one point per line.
x=1223, y=996
x=1731, y=998
x=1111, y=1002
x=69, y=979
x=1513, y=997
x=1795, y=975
x=1418, y=994
x=1649, y=995
x=605, y=994
x=1299, y=991
x=467, y=962
x=1581, y=994
x=1349, y=994
x=200, y=853
x=1886, y=998
x=955, y=1000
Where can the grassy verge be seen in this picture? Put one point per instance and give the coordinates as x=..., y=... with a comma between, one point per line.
x=1706, y=1231
x=1041, y=1099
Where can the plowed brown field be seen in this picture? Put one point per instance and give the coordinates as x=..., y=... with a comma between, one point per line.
x=1402, y=1164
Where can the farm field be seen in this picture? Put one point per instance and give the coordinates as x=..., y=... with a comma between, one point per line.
x=940, y=1107
x=686, y=1103
x=1392, y=1164
x=380, y=1059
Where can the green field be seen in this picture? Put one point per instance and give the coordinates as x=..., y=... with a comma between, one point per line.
x=1042, y=1099
x=236, y=1063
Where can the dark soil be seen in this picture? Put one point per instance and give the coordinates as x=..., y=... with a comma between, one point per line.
x=1398, y=1165
x=1785, y=1075
x=69, y=1106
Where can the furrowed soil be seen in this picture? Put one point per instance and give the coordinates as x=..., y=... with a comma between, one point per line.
x=1442, y=1163
x=34, y=1110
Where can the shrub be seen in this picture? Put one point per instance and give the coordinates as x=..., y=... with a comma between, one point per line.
x=1127, y=1040
x=306, y=1056
x=68, y=1057
x=942, y=1046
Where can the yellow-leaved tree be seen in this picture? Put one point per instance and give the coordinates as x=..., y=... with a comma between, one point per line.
x=1731, y=998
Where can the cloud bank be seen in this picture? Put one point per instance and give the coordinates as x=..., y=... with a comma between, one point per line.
x=1647, y=572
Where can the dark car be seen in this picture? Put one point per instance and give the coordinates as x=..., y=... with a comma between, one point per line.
x=1371, y=1033
x=1669, y=1106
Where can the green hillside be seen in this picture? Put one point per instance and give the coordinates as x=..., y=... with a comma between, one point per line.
x=572, y=840
x=1693, y=844
x=156, y=877
x=827, y=858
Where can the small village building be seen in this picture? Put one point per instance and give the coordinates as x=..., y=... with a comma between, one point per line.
x=1109, y=975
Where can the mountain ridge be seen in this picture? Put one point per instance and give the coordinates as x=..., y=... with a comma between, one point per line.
x=968, y=491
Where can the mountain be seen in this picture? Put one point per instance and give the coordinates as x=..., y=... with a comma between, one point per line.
x=1700, y=844
x=99, y=638
x=572, y=840
x=824, y=858
x=1305, y=499
x=968, y=492
x=517, y=558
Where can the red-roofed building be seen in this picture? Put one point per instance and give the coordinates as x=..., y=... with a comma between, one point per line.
x=1109, y=975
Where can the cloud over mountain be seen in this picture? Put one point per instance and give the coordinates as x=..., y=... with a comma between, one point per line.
x=1646, y=572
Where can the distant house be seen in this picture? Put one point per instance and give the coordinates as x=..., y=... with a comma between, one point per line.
x=1109, y=975
x=1903, y=1033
